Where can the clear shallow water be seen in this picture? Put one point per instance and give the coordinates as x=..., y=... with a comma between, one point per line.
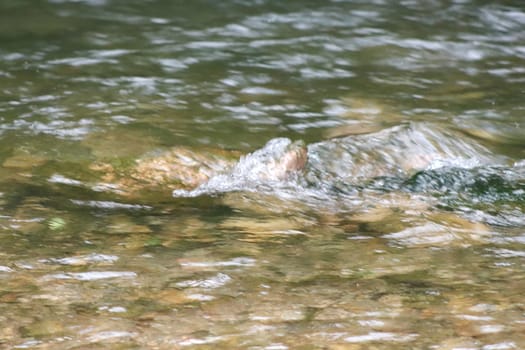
x=405, y=229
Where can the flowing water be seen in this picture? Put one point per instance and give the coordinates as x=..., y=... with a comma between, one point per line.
x=260, y=174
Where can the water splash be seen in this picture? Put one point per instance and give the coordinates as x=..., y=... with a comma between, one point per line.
x=448, y=168
x=398, y=152
x=269, y=167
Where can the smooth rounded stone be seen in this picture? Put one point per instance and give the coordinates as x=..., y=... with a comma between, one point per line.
x=182, y=167
x=177, y=168
x=361, y=158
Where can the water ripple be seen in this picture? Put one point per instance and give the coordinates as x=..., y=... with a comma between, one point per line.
x=380, y=336
x=213, y=282
x=109, y=205
x=91, y=275
x=84, y=259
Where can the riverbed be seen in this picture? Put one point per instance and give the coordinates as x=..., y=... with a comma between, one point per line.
x=401, y=226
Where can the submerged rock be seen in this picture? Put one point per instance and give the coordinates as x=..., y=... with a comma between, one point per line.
x=399, y=151
x=177, y=168
x=364, y=179
x=380, y=160
x=394, y=152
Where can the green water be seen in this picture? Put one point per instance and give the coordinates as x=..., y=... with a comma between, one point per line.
x=406, y=229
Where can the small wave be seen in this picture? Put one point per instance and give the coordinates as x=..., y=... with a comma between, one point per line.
x=110, y=335
x=109, y=205
x=91, y=275
x=380, y=336
x=5, y=269
x=83, y=259
x=213, y=282
x=262, y=170
x=61, y=179
x=235, y=262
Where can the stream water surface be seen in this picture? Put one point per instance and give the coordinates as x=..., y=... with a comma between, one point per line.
x=260, y=174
